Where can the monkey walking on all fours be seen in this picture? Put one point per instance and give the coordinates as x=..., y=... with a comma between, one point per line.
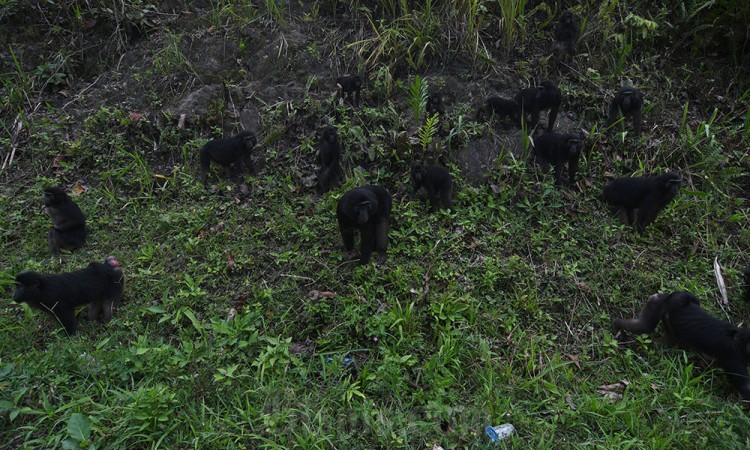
x=234, y=151
x=98, y=285
x=687, y=325
x=531, y=101
x=646, y=195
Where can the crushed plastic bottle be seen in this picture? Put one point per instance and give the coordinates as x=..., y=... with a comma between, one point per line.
x=499, y=432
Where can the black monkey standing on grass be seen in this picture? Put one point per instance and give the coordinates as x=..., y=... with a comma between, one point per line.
x=68, y=223
x=367, y=210
x=435, y=105
x=227, y=152
x=499, y=107
x=99, y=286
x=628, y=102
x=436, y=181
x=531, y=101
x=566, y=35
x=329, y=155
x=559, y=149
x=687, y=325
x=647, y=195
x=350, y=87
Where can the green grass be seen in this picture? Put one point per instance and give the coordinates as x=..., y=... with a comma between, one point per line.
x=498, y=311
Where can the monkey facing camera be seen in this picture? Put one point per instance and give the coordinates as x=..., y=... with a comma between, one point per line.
x=687, y=325
x=98, y=285
x=628, y=103
x=329, y=155
x=434, y=105
x=436, y=181
x=558, y=150
x=566, y=35
x=367, y=210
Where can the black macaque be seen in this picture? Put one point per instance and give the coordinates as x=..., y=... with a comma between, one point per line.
x=532, y=100
x=329, y=154
x=436, y=181
x=367, y=209
x=687, y=325
x=227, y=152
x=566, y=35
x=499, y=107
x=350, y=87
x=435, y=105
x=747, y=284
x=627, y=103
x=558, y=149
x=99, y=286
x=68, y=223
x=649, y=195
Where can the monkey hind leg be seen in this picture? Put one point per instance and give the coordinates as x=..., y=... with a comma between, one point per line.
x=96, y=308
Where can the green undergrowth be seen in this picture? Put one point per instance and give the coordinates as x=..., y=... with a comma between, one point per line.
x=495, y=312
x=243, y=325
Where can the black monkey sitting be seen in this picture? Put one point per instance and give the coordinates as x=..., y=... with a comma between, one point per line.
x=227, y=152
x=566, y=34
x=329, y=155
x=558, y=149
x=687, y=325
x=747, y=284
x=99, y=285
x=627, y=103
x=499, y=107
x=435, y=105
x=367, y=209
x=350, y=86
x=649, y=195
x=544, y=97
x=436, y=181
x=68, y=223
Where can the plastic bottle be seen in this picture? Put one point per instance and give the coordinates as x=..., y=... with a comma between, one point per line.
x=499, y=432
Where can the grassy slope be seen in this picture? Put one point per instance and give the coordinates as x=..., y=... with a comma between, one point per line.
x=497, y=312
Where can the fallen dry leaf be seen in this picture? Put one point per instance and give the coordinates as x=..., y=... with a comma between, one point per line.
x=610, y=395
x=79, y=188
x=575, y=360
